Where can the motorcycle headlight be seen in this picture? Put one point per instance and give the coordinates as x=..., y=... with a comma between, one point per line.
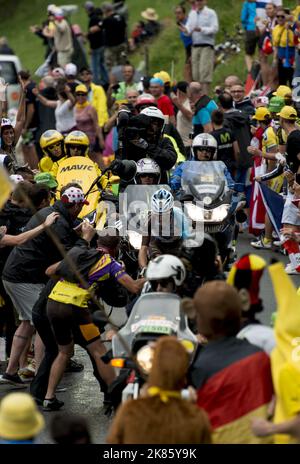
x=220, y=213
x=135, y=239
x=194, y=212
x=144, y=358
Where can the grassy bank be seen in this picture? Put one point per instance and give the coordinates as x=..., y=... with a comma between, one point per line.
x=166, y=52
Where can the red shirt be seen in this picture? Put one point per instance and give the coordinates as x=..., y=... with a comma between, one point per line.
x=165, y=105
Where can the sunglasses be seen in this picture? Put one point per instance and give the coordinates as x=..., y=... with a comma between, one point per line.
x=55, y=146
x=75, y=147
x=81, y=94
x=164, y=283
x=280, y=17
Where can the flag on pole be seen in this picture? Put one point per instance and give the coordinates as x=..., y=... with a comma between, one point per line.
x=6, y=187
x=257, y=207
x=274, y=204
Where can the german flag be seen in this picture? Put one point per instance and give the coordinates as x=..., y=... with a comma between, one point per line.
x=234, y=383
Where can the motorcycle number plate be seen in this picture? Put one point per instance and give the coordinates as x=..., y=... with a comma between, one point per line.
x=155, y=326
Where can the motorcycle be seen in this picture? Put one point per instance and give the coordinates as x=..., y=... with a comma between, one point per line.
x=210, y=201
x=153, y=315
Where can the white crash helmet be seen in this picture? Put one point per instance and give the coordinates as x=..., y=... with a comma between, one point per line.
x=204, y=141
x=162, y=201
x=166, y=267
x=153, y=112
x=147, y=166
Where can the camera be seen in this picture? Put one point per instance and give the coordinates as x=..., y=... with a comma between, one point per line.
x=116, y=87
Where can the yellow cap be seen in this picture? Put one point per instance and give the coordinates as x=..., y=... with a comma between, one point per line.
x=81, y=88
x=283, y=91
x=288, y=112
x=19, y=417
x=261, y=114
x=164, y=76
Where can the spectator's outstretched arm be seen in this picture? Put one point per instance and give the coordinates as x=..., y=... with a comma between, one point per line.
x=15, y=240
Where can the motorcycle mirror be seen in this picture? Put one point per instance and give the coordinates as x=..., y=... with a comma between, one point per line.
x=125, y=169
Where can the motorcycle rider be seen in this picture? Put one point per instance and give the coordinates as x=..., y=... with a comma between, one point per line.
x=165, y=228
x=166, y=274
x=148, y=172
x=204, y=148
x=52, y=145
x=77, y=144
x=142, y=136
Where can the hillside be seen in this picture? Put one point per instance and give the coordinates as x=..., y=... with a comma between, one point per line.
x=17, y=16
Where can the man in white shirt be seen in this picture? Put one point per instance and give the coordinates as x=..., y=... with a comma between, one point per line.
x=202, y=25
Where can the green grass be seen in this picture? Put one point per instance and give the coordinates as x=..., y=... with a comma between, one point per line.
x=166, y=52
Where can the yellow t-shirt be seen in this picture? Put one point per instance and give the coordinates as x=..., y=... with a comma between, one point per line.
x=269, y=140
x=279, y=37
x=72, y=293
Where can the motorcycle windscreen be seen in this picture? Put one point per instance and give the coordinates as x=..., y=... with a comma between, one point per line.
x=81, y=170
x=154, y=313
x=135, y=204
x=204, y=179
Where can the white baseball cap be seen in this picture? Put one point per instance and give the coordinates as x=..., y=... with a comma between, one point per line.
x=71, y=69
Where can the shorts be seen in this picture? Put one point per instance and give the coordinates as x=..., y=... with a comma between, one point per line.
x=291, y=214
x=71, y=322
x=250, y=42
x=24, y=296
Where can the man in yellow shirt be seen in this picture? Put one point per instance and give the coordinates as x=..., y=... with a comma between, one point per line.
x=283, y=39
x=96, y=95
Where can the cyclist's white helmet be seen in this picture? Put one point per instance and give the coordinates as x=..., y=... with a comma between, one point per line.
x=153, y=112
x=166, y=267
x=204, y=141
x=147, y=166
x=162, y=201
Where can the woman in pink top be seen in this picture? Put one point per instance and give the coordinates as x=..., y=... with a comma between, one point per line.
x=87, y=121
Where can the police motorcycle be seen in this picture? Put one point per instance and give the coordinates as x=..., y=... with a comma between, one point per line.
x=155, y=314
x=208, y=194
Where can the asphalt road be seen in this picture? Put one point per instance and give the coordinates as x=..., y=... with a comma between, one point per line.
x=82, y=396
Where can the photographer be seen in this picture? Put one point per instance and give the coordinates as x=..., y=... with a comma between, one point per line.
x=142, y=136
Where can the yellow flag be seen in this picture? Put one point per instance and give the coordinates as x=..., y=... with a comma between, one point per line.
x=5, y=187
